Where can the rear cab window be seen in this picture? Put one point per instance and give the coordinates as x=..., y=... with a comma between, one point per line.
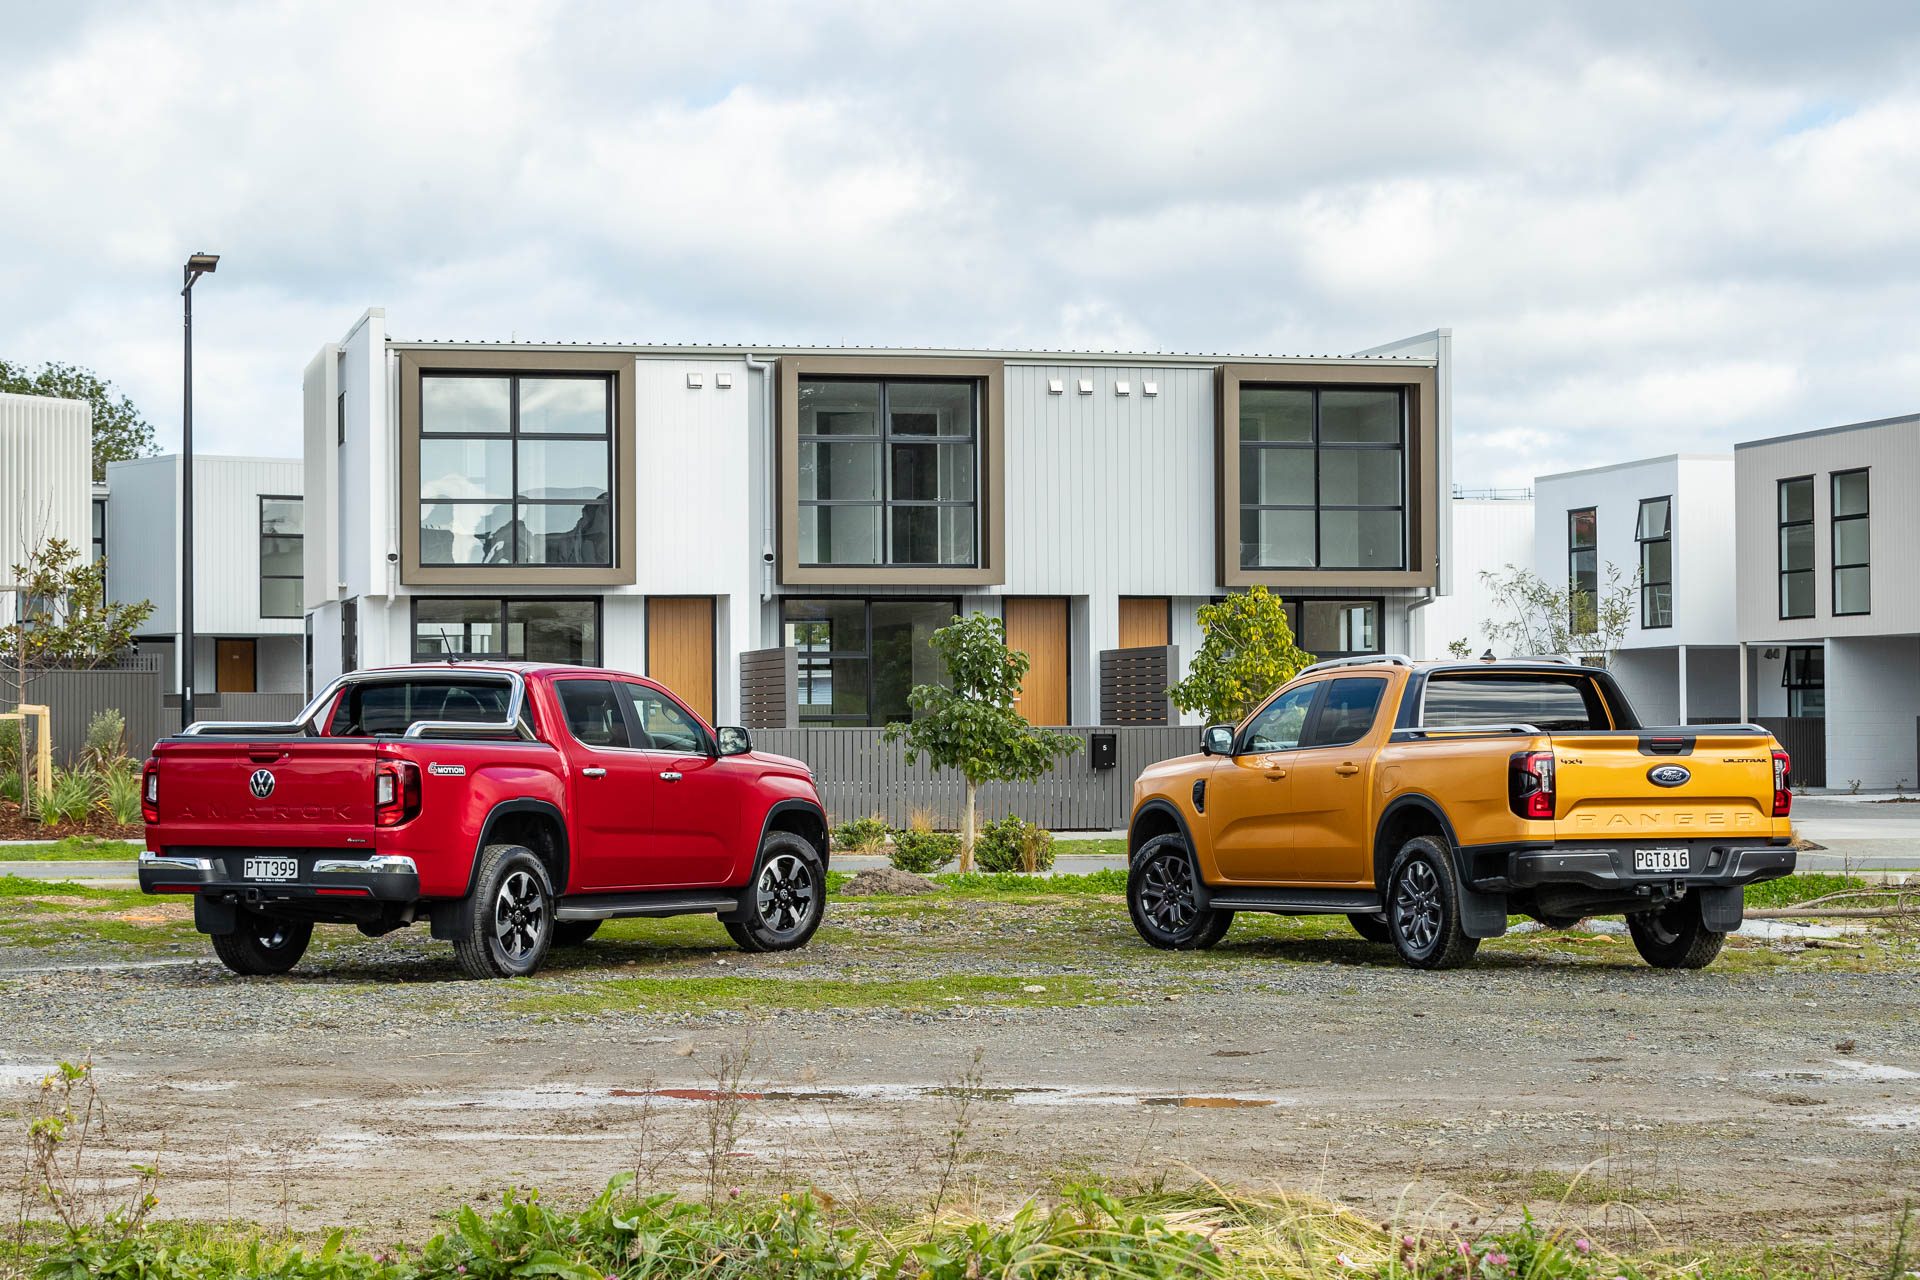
x=1551, y=701
x=388, y=708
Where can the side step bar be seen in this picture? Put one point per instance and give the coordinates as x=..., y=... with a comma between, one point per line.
x=1297, y=902
x=609, y=906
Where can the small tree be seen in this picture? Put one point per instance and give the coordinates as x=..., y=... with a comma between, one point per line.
x=119, y=432
x=1248, y=652
x=970, y=724
x=63, y=618
x=1532, y=618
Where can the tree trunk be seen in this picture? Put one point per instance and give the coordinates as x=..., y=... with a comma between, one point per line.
x=966, y=830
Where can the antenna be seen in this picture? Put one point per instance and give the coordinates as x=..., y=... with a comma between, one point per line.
x=446, y=644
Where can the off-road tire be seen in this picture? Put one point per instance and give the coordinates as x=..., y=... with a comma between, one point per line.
x=1673, y=936
x=1423, y=907
x=506, y=926
x=1371, y=926
x=1162, y=899
x=574, y=933
x=263, y=945
x=786, y=899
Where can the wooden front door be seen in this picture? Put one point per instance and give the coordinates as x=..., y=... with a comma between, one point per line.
x=1037, y=626
x=233, y=666
x=1146, y=622
x=680, y=648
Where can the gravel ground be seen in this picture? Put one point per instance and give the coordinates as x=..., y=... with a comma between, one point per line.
x=372, y=1086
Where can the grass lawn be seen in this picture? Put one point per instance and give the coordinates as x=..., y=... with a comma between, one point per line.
x=72, y=849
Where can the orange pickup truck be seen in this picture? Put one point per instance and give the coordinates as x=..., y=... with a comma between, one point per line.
x=1428, y=801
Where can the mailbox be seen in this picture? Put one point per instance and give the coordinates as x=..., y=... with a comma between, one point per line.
x=1104, y=750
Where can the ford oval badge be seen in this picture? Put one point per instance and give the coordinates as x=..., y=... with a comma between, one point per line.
x=1668, y=775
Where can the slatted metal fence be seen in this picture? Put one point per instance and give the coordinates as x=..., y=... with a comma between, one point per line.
x=133, y=687
x=859, y=774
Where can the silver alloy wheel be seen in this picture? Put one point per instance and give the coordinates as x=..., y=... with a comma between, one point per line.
x=519, y=913
x=1166, y=893
x=1416, y=906
x=784, y=893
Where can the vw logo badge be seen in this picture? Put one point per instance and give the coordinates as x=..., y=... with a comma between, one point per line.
x=1668, y=775
x=261, y=783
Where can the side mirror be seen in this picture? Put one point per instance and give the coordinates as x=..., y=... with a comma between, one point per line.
x=734, y=741
x=1217, y=740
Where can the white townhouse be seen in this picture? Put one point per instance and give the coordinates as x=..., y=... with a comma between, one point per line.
x=247, y=558
x=1829, y=593
x=46, y=471
x=1492, y=531
x=688, y=512
x=1664, y=528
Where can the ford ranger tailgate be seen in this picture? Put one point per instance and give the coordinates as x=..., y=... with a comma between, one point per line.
x=265, y=793
x=1663, y=783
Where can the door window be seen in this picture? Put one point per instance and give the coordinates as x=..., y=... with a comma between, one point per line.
x=661, y=723
x=1348, y=712
x=1280, y=723
x=593, y=713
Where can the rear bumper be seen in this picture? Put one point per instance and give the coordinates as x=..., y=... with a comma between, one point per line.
x=349, y=882
x=1608, y=866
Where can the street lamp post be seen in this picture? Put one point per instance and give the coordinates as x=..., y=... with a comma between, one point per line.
x=198, y=265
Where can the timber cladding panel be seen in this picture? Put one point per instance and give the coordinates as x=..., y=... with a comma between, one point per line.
x=1424, y=503
x=1038, y=627
x=1145, y=622
x=680, y=648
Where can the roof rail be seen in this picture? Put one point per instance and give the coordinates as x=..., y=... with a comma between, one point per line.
x=1359, y=660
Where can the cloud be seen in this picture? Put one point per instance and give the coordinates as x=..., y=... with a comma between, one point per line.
x=1651, y=227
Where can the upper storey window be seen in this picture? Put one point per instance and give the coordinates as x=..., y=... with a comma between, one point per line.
x=1323, y=478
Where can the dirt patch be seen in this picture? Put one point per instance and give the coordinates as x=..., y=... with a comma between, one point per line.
x=14, y=826
x=887, y=881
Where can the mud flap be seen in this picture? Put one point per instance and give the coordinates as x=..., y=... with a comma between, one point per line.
x=443, y=919
x=216, y=918
x=1722, y=910
x=1482, y=915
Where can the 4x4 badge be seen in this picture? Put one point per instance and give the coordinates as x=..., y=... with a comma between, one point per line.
x=1668, y=775
x=261, y=784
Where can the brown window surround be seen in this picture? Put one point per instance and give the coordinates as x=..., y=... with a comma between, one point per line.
x=416, y=361
x=1423, y=506
x=991, y=568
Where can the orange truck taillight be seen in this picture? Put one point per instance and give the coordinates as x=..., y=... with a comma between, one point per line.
x=1782, y=784
x=1530, y=784
x=396, y=792
x=150, y=792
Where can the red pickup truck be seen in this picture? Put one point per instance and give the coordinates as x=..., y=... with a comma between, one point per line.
x=511, y=806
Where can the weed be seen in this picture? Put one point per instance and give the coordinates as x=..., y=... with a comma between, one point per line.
x=964, y=1093
x=71, y=798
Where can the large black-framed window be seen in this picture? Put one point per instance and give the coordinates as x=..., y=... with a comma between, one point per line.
x=1583, y=571
x=282, y=556
x=1653, y=530
x=1323, y=477
x=100, y=541
x=1804, y=677
x=1852, y=543
x=860, y=656
x=1330, y=628
x=889, y=471
x=515, y=629
x=516, y=468
x=1795, y=496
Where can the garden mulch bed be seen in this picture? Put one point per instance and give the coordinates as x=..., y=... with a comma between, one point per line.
x=13, y=826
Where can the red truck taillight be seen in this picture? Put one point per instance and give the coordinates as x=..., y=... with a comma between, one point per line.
x=1782, y=784
x=396, y=792
x=1530, y=784
x=150, y=791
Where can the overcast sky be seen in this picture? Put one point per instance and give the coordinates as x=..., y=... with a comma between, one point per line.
x=1651, y=227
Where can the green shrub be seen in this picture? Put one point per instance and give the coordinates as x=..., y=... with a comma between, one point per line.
x=862, y=835
x=71, y=798
x=123, y=796
x=106, y=740
x=923, y=852
x=1014, y=844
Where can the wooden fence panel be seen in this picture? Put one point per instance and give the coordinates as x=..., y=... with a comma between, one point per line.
x=770, y=688
x=1133, y=685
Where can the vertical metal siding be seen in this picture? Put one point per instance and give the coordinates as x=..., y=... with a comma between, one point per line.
x=46, y=478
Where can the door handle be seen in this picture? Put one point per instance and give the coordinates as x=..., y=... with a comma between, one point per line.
x=1346, y=769
x=594, y=771
x=670, y=776
x=1274, y=775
